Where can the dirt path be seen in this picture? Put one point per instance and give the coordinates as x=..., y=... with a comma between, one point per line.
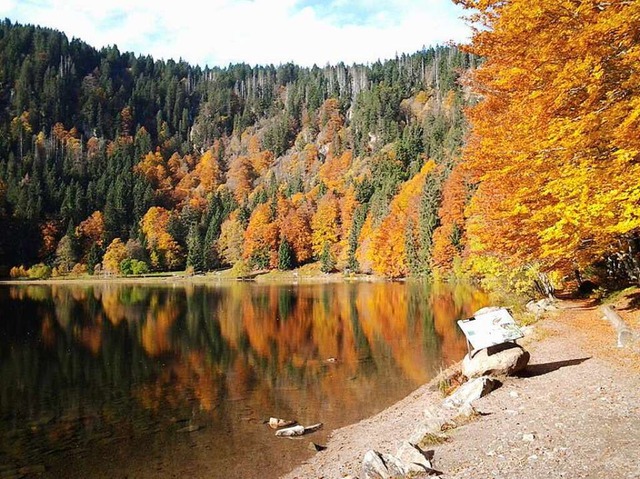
x=574, y=413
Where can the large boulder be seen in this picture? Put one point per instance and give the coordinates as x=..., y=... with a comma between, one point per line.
x=501, y=360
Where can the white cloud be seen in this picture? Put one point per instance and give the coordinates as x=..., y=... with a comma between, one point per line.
x=219, y=32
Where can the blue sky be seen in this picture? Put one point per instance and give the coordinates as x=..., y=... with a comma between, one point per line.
x=219, y=32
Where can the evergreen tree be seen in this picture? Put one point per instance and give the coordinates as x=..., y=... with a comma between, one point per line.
x=428, y=220
x=286, y=258
x=93, y=258
x=327, y=263
x=195, y=257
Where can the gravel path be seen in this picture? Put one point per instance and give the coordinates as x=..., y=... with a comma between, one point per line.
x=574, y=413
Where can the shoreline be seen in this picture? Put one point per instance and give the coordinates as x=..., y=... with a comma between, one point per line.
x=203, y=279
x=573, y=357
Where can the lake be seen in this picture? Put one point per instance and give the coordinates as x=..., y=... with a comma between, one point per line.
x=132, y=380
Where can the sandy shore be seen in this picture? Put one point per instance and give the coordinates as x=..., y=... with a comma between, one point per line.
x=573, y=413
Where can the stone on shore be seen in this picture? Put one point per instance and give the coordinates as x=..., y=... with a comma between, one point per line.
x=470, y=391
x=541, y=306
x=377, y=465
x=501, y=360
x=415, y=461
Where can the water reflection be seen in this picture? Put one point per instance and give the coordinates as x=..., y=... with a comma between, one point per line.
x=88, y=372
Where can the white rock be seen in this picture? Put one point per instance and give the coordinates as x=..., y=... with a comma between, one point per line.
x=501, y=360
x=413, y=458
x=376, y=465
x=470, y=391
x=291, y=431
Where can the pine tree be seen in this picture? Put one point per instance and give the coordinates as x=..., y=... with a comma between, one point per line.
x=285, y=256
x=195, y=257
x=327, y=263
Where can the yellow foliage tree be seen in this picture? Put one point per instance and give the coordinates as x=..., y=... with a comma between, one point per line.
x=231, y=241
x=326, y=223
x=554, y=141
x=164, y=250
x=116, y=252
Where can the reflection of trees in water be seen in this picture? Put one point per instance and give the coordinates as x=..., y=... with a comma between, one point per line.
x=115, y=351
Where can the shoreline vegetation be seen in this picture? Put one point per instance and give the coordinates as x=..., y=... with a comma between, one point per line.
x=308, y=274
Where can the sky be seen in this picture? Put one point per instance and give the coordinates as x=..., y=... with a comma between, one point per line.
x=220, y=32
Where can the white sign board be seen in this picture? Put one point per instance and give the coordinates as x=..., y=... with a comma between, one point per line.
x=490, y=328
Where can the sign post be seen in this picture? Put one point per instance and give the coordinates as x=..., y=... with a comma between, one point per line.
x=490, y=328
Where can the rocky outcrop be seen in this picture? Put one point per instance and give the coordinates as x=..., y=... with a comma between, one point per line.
x=501, y=360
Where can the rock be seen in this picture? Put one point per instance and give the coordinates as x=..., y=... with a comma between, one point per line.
x=290, y=431
x=276, y=423
x=529, y=437
x=376, y=465
x=190, y=428
x=414, y=459
x=298, y=430
x=539, y=307
x=313, y=428
x=316, y=447
x=501, y=360
x=470, y=391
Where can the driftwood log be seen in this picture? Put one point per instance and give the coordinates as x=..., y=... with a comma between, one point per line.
x=625, y=335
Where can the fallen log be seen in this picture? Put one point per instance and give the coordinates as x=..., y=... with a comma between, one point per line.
x=625, y=335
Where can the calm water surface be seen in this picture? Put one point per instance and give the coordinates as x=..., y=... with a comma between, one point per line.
x=155, y=381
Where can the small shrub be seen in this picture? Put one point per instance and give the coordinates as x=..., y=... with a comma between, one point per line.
x=431, y=439
x=79, y=269
x=139, y=267
x=130, y=266
x=39, y=271
x=240, y=269
x=18, y=272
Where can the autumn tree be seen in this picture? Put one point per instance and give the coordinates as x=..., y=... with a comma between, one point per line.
x=261, y=238
x=91, y=232
x=230, y=244
x=447, y=237
x=557, y=176
x=164, y=250
x=294, y=224
x=326, y=223
x=115, y=254
x=389, y=242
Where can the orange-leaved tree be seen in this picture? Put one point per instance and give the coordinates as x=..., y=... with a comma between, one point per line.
x=554, y=141
x=389, y=242
x=261, y=238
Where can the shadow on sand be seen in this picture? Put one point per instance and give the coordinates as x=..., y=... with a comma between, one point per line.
x=533, y=370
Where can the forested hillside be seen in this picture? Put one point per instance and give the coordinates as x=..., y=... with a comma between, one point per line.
x=124, y=164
